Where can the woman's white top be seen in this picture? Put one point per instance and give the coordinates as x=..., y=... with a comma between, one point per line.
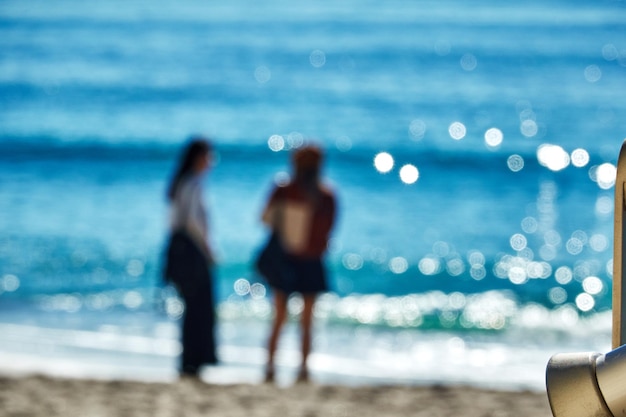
x=188, y=212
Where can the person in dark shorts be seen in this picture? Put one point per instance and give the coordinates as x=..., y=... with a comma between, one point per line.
x=301, y=214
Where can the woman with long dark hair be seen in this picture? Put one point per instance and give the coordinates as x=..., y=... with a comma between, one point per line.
x=189, y=257
x=301, y=214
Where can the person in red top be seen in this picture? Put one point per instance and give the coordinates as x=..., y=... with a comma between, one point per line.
x=302, y=214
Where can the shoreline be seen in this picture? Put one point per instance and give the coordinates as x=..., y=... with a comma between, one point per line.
x=250, y=370
x=40, y=395
x=363, y=358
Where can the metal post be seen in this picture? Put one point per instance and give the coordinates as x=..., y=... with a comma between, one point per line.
x=619, y=329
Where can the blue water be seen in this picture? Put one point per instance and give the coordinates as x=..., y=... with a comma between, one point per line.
x=498, y=254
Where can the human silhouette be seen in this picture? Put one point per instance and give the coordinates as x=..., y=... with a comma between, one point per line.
x=301, y=215
x=189, y=258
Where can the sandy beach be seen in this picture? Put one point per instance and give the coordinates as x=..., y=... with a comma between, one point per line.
x=35, y=395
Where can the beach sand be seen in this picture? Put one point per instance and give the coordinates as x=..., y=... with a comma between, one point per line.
x=33, y=396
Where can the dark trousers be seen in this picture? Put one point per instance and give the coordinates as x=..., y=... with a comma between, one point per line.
x=188, y=269
x=198, y=330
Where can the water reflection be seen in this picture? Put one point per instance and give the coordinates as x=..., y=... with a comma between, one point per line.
x=610, y=52
x=262, y=74
x=398, y=265
x=593, y=285
x=553, y=157
x=599, y=242
x=457, y=130
x=571, y=288
x=343, y=143
x=417, y=129
x=593, y=73
x=317, y=58
x=515, y=163
x=409, y=174
x=557, y=295
x=469, y=62
x=9, y=283
x=383, y=162
x=585, y=302
x=580, y=157
x=529, y=128
x=429, y=265
x=493, y=137
x=605, y=175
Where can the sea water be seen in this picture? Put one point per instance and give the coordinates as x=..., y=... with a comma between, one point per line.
x=472, y=147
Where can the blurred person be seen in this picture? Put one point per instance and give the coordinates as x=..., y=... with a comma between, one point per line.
x=189, y=258
x=301, y=215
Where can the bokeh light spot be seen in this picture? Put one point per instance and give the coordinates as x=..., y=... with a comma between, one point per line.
x=417, y=129
x=478, y=272
x=132, y=300
x=135, y=268
x=294, y=140
x=469, y=62
x=585, y=302
x=476, y=258
x=429, y=265
x=317, y=58
x=9, y=283
x=493, y=137
x=529, y=128
x=610, y=52
x=606, y=175
x=557, y=295
x=282, y=178
x=398, y=265
x=552, y=237
x=517, y=275
x=593, y=285
x=563, y=275
x=343, y=143
x=276, y=143
x=383, y=162
x=515, y=163
x=529, y=224
x=174, y=307
x=538, y=270
x=593, y=73
x=599, y=242
x=257, y=291
x=457, y=130
x=580, y=158
x=574, y=246
x=518, y=242
x=441, y=248
x=547, y=252
x=352, y=261
x=455, y=267
x=604, y=206
x=442, y=47
x=262, y=74
x=552, y=157
x=242, y=287
x=409, y=174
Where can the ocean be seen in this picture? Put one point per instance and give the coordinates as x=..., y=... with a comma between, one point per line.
x=472, y=147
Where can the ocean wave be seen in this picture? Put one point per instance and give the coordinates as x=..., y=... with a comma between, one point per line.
x=233, y=150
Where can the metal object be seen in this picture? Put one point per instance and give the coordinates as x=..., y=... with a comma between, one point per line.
x=587, y=384
x=610, y=372
x=592, y=384
x=573, y=390
x=619, y=331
